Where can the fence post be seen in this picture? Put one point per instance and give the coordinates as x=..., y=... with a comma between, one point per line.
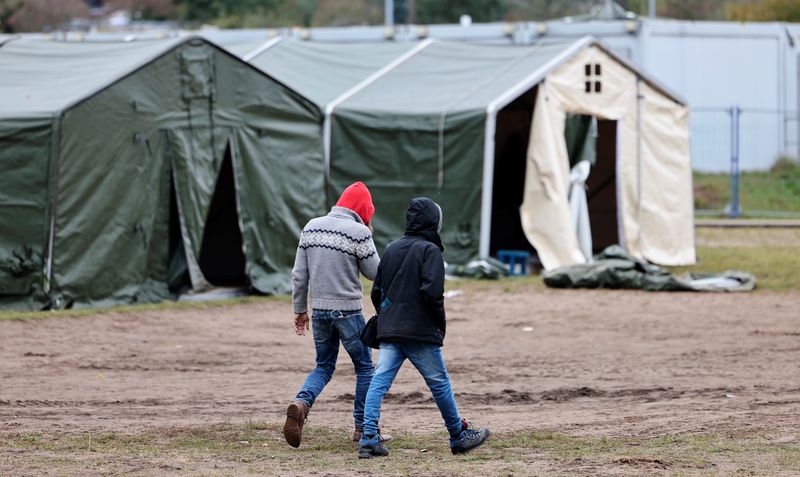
x=388, y=12
x=734, y=209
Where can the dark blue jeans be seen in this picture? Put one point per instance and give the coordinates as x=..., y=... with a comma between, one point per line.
x=428, y=360
x=330, y=327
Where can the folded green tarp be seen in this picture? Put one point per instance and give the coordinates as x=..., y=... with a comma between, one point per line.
x=614, y=268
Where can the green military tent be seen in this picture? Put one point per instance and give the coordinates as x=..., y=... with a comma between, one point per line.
x=481, y=130
x=130, y=172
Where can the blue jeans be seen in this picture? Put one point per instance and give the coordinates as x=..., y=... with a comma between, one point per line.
x=329, y=327
x=428, y=360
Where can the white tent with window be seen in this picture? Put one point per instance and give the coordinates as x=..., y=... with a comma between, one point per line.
x=650, y=152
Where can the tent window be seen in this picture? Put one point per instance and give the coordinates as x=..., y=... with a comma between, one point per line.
x=592, y=78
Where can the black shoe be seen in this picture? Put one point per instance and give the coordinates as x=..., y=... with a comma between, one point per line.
x=468, y=440
x=368, y=452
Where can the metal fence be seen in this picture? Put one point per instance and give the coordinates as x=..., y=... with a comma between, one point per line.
x=745, y=162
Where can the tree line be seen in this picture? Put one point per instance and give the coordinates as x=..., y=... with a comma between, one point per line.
x=39, y=15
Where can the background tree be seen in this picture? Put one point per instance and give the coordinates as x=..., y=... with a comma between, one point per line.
x=207, y=10
x=348, y=12
x=765, y=11
x=539, y=10
x=147, y=9
x=34, y=15
x=692, y=9
x=47, y=15
x=436, y=11
x=7, y=9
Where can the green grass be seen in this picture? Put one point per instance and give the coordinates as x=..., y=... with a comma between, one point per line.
x=504, y=284
x=165, y=305
x=775, y=268
x=772, y=255
x=776, y=190
x=513, y=284
x=259, y=448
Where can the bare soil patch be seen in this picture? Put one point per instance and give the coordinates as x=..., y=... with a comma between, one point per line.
x=593, y=364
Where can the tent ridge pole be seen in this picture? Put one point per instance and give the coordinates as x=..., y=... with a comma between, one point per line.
x=639, y=98
x=326, y=125
x=261, y=49
x=55, y=167
x=486, y=189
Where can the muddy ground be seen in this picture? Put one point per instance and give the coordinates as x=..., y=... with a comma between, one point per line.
x=582, y=363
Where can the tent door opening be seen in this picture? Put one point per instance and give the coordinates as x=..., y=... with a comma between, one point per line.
x=512, y=133
x=592, y=147
x=601, y=188
x=222, y=258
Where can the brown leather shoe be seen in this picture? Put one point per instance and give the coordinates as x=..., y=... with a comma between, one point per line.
x=383, y=437
x=296, y=416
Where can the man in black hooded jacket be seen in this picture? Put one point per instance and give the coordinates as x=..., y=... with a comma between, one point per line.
x=408, y=293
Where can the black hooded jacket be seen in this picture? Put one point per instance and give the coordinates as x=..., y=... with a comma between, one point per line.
x=408, y=291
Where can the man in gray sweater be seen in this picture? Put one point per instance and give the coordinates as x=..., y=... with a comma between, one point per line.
x=333, y=250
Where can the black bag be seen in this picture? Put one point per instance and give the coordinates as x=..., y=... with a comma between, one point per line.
x=369, y=335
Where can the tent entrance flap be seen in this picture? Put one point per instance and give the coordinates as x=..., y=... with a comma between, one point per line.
x=601, y=188
x=197, y=155
x=222, y=258
x=512, y=133
x=178, y=279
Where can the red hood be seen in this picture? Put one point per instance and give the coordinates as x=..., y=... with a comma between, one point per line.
x=358, y=199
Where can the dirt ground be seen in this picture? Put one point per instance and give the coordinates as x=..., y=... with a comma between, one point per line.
x=582, y=363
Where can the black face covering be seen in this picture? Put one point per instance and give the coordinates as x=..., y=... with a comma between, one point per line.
x=424, y=218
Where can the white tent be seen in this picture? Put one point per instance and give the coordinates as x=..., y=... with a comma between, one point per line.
x=654, y=214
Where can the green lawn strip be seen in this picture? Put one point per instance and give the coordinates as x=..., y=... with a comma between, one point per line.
x=260, y=446
x=749, y=236
x=140, y=308
x=505, y=284
x=775, y=267
x=777, y=190
x=511, y=284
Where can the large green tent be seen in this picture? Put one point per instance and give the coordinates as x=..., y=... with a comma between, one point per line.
x=420, y=130
x=130, y=172
x=480, y=129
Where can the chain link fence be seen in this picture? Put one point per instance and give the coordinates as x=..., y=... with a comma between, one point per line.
x=745, y=162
